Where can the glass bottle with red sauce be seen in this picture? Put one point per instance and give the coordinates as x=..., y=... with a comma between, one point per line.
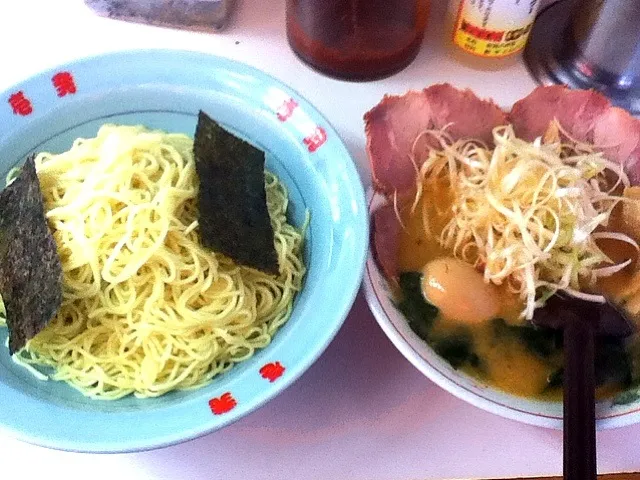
x=356, y=39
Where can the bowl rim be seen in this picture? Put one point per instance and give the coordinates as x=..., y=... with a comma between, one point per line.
x=340, y=308
x=404, y=345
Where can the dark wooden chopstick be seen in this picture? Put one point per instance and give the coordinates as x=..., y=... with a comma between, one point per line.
x=610, y=476
x=579, y=398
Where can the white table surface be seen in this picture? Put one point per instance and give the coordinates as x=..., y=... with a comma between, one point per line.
x=362, y=411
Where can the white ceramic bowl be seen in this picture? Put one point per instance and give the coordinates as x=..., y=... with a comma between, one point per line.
x=536, y=412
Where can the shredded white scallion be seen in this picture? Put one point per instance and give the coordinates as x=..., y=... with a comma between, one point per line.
x=528, y=211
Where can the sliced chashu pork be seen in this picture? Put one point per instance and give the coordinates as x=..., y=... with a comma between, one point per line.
x=587, y=116
x=393, y=125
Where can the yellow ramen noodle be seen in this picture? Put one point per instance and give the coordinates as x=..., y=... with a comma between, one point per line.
x=146, y=308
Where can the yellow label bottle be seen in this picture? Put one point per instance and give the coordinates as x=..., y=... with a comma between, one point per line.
x=489, y=33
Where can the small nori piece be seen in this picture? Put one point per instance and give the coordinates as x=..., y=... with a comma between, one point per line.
x=232, y=201
x=457, y=349
x=627, y=397
x=419, y=313
x=555, y=379
x=612, y=364
x=541, y=341
x=30, y=268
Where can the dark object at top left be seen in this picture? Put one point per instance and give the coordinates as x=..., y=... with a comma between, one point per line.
x=200, y=15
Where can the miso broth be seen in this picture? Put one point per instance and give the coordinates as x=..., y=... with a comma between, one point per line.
x=503, y=351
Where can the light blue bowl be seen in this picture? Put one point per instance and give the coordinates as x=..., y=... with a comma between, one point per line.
x=165, y=89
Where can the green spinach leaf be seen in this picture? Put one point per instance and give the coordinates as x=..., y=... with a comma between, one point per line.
x=457, y=350
x=419, y=313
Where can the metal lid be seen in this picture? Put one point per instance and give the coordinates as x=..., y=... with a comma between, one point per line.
x=577, y=44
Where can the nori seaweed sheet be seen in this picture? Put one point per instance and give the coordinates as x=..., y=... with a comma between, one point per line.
x=30, y=269
x=232, y=201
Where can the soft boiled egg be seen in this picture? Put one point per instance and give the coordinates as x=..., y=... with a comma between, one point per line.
x=459, y=291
